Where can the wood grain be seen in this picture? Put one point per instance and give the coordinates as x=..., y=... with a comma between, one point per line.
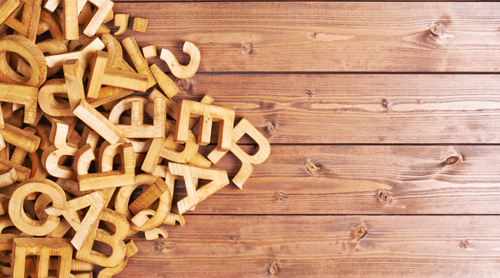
x=363, y=180
x=323, y=246
x=326, y=37
x=359, y=108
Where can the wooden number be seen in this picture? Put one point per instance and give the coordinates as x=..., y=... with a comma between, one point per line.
x=28, y=26
x=103, y=75
x=137, y=128
x=98, y=17
x=16, y=206
x=24, y=95
x=141, y=65
x=115, y=241
x=44, y=248
x=191, y=175
x=242, y=128
x=208, y=113
x=125, y=176
x=52, y=155
x=178, y=70
x=31, y=53
x=95, y=202
x=83, y=55
x=121, y=20
x=157, y=189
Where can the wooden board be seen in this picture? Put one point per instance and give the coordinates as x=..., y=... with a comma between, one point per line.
x=359, y=108
x=323, y=246
x=350, y=180
x=326, y=37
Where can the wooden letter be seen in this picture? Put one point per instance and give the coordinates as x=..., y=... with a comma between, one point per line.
x=47, y=101
x=20, y=138
x=141, y=65
x=157, y=189
x=53, y=154
x=24, y=95
x=83, y=55
x=31, y=53
x=7, y=8
x=95, y=202
x=74, y=82
x=167, y=85
x=44, y=248
x=191, y=175
x=70, y=8
x=125, y=176
x=242, y=128
x=137, y=128
x=208, y=113
x=16, y=207
x=98, y=122
x=103, y=75
x=115, y=241
x=28, y=26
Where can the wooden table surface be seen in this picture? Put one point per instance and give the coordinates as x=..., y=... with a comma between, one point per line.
x=384, y=120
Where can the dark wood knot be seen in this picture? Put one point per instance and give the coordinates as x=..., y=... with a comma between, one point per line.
x=359, y=232
x=436, y=29
x=384, y=196
x=274, y=268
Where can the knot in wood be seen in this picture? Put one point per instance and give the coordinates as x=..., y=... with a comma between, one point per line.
x=312, y=35
x=436, y=29
x=274, y=267
x=452, y=160
x=387, y=104
x=384, y=196
x=359, y=231
x=281, y=196
x=271, y=128
x=464, y=244
x=246, y=48
x=184, y=85
x=311, y=167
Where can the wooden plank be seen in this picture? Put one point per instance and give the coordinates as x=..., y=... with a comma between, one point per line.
x=364, y=108
x=327, y=37
x=363, y=180
x=323, y=246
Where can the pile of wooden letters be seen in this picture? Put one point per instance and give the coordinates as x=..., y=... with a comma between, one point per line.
x=82, y=130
